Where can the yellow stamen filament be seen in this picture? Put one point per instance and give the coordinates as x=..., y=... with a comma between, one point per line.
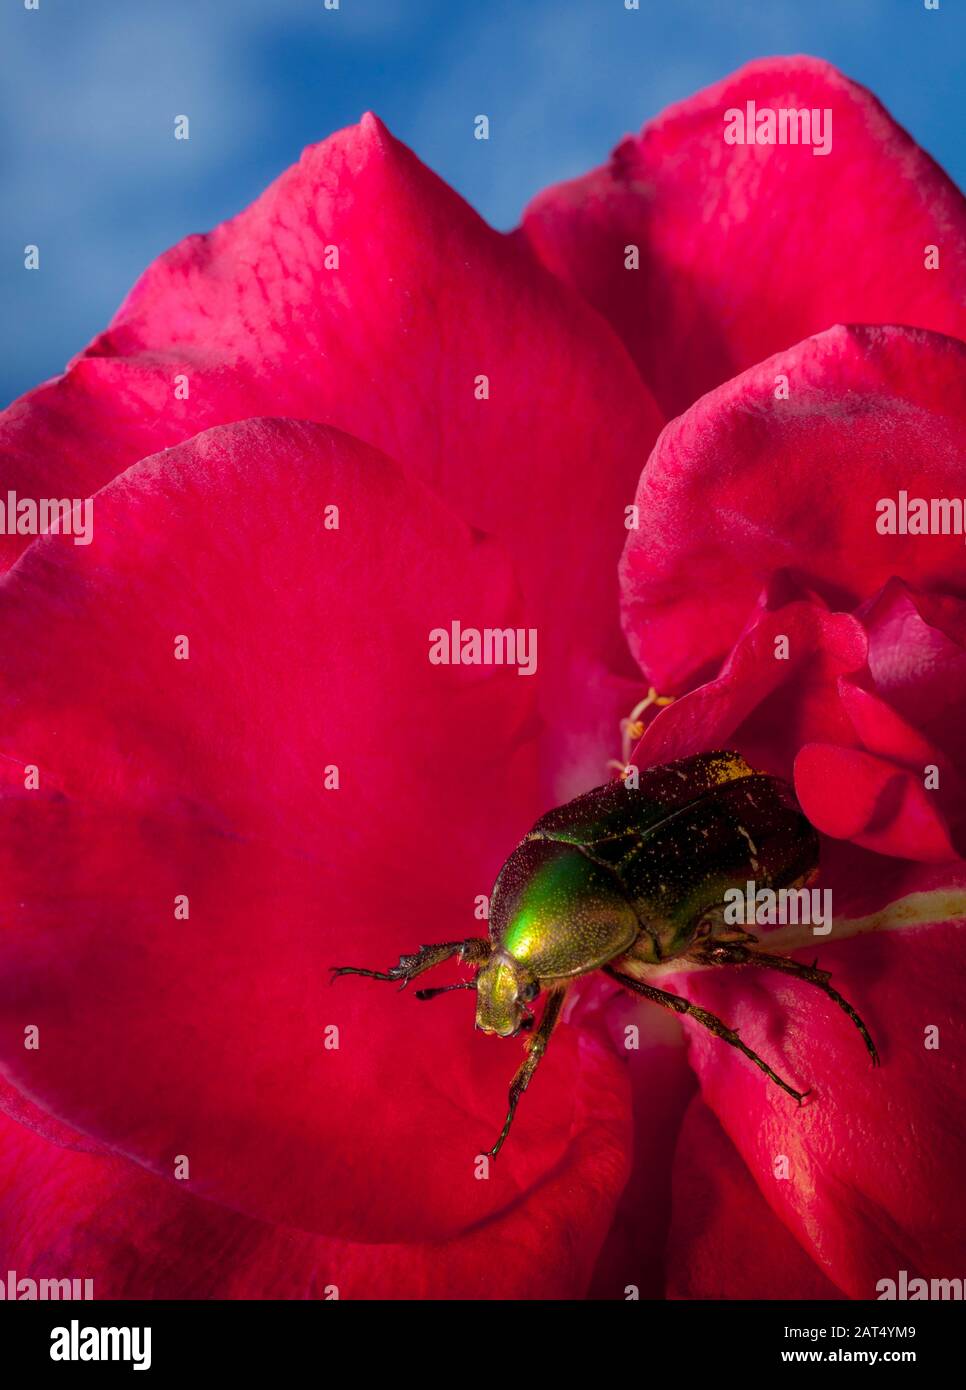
x=632, y=728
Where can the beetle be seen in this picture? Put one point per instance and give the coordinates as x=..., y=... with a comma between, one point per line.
x=627, y=877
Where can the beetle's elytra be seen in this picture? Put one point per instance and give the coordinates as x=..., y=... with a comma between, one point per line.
x=623, y=878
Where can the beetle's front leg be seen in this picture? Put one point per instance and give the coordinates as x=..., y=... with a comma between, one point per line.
x=474, y=950
x=536, y=1047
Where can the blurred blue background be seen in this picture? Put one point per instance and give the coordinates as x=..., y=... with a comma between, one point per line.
x=89, y=89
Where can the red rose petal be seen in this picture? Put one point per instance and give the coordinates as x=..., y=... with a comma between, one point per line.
x=743, y=485
x=205, y=777
x=632, y=1261
x=389, y=346
x=725, y=1241
x=874, y=1156
x=882, y=730
x=780, y=685
x=917, y=657
x=746, y=249
x=853, y=795
x=65, y=1214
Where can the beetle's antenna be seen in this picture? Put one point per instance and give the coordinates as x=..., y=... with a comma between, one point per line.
x=444, y=989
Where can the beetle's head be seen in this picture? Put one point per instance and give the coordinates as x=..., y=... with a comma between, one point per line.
x=503, y=991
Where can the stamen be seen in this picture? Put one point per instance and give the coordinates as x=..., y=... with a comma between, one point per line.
x=632, y=728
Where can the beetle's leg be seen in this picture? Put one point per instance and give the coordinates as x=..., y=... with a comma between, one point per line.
x=712, y=928
x=536, y=1047
x=708, y=1020
x=712, y=954
x=475, y=950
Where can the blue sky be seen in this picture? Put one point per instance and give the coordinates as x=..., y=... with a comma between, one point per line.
x=89, y=90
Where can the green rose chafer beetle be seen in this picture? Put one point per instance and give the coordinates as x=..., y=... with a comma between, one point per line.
x=626, y=877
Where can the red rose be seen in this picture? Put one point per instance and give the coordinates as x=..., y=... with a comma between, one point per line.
x=850, y=680
x=179, y=869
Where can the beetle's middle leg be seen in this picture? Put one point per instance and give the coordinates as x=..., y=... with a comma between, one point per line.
x=710, y=1021
x=536, y=1047
x=474, y=951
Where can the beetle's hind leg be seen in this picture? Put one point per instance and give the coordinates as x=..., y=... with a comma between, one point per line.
x=536, y=1047
x=713, y=954
x=708, y=1020
x=474, y=951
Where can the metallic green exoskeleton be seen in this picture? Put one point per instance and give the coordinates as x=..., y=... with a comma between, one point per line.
x=629, y=877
